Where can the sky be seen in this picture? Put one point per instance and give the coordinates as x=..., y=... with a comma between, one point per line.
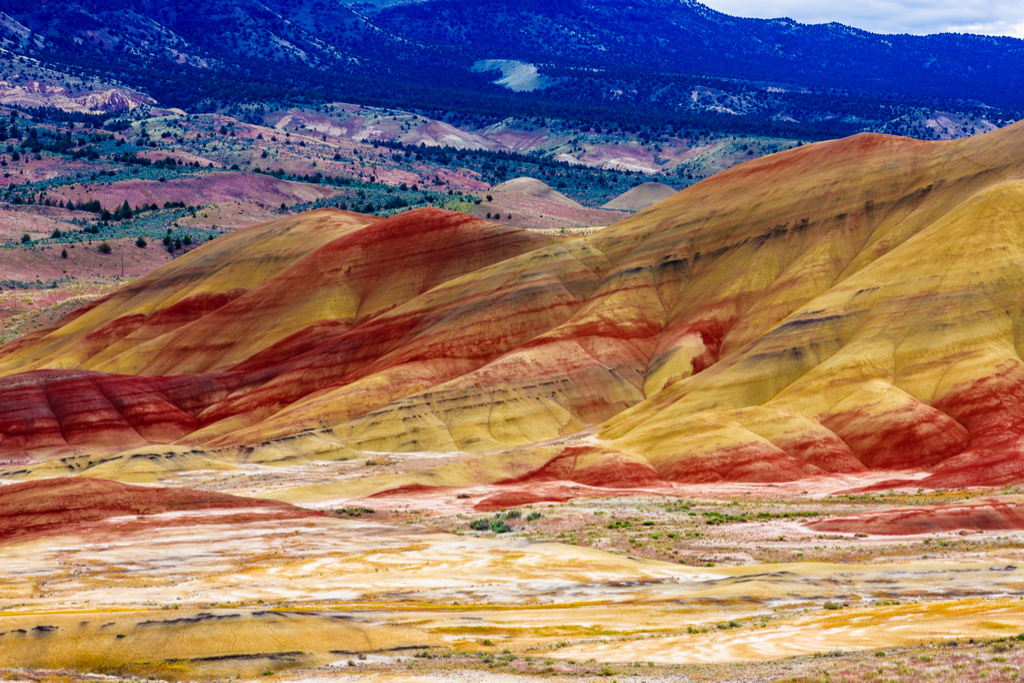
x=992, y=17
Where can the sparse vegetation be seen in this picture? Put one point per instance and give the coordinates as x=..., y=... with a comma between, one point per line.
x=498, y=524
x=355, y=511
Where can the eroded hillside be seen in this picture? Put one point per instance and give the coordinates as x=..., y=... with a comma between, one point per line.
x=838, y=308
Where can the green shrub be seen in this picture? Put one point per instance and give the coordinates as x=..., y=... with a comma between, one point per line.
x=497, y=523
x=356, y=511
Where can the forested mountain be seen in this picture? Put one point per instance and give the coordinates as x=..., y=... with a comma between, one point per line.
x=687, y=36
x=645, y=62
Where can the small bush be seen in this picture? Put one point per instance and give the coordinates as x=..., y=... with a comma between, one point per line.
x=496, y=524
x=356, y=511
x=25, y=239
x=141, y=242
x=63, y=253
x=104, y=248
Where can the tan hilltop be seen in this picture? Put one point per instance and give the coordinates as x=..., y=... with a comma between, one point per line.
x=531, y=187
x=640, y=197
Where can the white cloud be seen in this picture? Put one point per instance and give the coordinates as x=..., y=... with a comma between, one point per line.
x=992, y=17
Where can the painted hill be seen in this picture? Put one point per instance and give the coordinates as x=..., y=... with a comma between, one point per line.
x=640, y=197
x=80, y=505
x=531, y=187
x=842, y=307
x=1005, y=513
x=307, y=300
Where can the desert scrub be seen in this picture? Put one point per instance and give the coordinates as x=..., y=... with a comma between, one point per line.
x=355, y=511
x=498, y=523
x=714, y=518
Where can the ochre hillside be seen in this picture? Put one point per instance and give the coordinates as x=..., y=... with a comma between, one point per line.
x=846, y=306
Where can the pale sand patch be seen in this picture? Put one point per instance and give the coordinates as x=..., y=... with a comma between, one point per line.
x=455, y=591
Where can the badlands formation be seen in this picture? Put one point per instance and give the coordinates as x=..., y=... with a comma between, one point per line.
x=845, y=308
x=207, y=473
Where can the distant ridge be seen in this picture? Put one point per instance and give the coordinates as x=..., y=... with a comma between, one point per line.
x=640, y=197
x=713, y=71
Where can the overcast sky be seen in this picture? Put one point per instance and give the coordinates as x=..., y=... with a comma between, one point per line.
x=994, y=17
